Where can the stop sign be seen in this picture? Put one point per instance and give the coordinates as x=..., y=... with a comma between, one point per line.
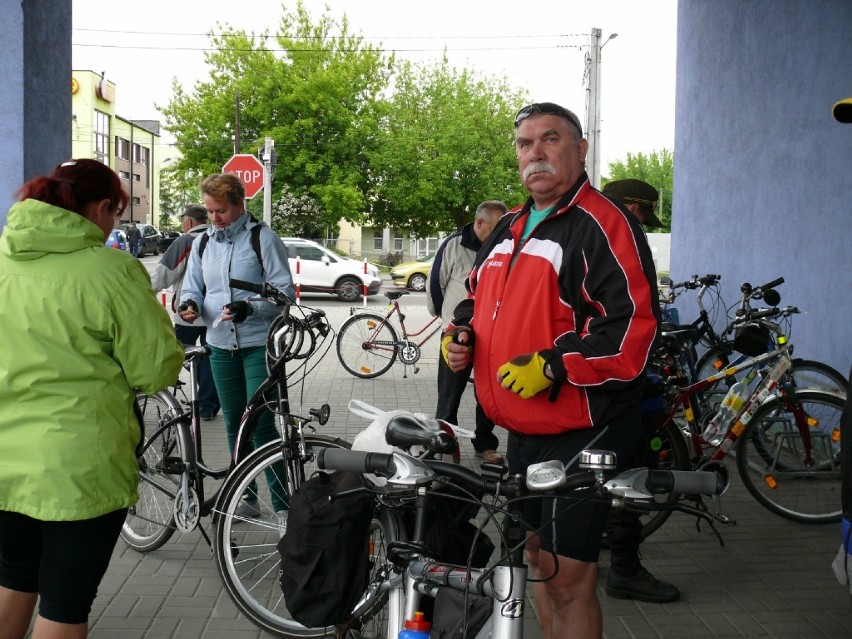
x=249, y=169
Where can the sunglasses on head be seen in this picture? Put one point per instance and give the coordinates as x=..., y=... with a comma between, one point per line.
x=547, y=108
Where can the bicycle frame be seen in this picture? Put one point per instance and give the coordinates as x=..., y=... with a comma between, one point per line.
x=396, y=309
x=782, y=363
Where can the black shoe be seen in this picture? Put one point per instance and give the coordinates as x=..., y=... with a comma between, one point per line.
x=643, y=586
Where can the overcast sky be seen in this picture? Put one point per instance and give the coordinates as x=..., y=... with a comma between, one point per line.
x=539, y=46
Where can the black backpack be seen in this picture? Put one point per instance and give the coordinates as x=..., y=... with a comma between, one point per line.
x=325, y=558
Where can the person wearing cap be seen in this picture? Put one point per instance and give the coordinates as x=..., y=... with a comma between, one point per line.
x=560, y=324
x=170, y=273
x=627, y=578
x=638, y=197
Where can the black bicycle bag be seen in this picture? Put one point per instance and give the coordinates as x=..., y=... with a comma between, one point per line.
x=325, y=557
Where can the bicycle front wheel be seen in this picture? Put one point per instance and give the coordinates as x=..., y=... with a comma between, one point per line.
x=150, y=522
x=246, y=550
x=664, y=449
x=367, y=345
x=774, y=466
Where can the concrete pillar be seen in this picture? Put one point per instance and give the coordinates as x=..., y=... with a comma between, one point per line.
x=35, y=129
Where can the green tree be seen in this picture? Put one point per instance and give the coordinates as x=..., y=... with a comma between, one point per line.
x=316, y=95
x=657, y=170
x=446, y=145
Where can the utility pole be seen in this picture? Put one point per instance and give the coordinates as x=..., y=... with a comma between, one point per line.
x=237, y=123
x=593, y=106
x=268, y=159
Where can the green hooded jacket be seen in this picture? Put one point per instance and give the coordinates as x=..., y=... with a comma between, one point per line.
x=80, y=330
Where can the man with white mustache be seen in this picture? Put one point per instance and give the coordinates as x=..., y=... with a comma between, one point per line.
x=560, y=323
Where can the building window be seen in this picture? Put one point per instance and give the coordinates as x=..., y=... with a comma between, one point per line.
x=137, y=177
x=122, y=148
x=124, y=175
x=101, y=150
x=377, y=242
x=135, y=201
x=397, y=243
x=140, y=154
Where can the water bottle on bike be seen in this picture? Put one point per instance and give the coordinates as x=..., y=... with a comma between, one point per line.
x=728, y=410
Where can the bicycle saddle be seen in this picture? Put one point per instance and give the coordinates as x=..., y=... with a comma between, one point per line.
x=408, y=430
x=395, y=295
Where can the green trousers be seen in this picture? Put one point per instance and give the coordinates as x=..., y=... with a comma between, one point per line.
x=238, y=374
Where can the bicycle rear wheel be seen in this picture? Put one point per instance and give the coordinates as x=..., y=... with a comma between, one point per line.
x=150, y=522
x=366, y=345
x=246, y=550
x=771, y=458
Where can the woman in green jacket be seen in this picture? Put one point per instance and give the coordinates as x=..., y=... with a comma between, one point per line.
x=80, y=330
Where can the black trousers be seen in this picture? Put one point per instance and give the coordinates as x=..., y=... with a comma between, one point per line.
x=450, y=389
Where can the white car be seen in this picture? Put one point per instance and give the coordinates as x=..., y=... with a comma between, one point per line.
x=324, y=271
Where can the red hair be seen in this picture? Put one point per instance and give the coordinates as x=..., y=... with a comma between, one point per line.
x=74, y=184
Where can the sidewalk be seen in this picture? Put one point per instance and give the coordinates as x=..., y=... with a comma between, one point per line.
x=771, y=579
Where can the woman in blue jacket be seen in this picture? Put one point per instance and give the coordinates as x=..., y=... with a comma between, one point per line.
x=237, y=327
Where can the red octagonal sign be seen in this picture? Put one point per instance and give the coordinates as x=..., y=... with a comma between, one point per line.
x=249, y=169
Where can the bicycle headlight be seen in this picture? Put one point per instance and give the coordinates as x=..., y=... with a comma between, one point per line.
x=546, y=475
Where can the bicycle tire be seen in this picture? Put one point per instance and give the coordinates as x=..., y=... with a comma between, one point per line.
x=667, y=448
x=356, y=349
x=770, y=459
x=150, y=522
x=811, y=374
x=246, y=551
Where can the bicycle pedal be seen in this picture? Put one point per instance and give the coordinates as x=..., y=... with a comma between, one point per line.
x=416, y=370
x=174, y=465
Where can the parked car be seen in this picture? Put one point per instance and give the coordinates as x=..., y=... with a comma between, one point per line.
x=324, y=271
x=150, y=238
x=117, y=240
x=413, y=274
x=167, y=238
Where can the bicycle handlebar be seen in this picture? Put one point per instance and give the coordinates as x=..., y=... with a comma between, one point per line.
x=639, y=483
x=356, y=461
x=265, y=290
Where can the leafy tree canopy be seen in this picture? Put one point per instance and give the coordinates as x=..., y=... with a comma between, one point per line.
x=315, y=94
x=657, y=170
x=447, y=146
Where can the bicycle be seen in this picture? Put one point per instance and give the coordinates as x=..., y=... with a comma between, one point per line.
x=720, y=351
x=411, y=569
x=172, y=469
x=368, y=344
x=786, y=439
x=807, y=373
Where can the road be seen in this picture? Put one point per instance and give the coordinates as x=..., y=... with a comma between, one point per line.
x=320, y=299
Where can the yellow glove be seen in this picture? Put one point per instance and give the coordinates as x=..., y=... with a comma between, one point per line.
x=524, y=375
x=452, y=336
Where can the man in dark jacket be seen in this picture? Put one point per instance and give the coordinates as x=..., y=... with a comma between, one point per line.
x=170, y=272
x=445, y=290
x=134, y=237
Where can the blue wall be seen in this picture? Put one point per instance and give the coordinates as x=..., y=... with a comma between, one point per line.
x=763, y=173
x=35, y=130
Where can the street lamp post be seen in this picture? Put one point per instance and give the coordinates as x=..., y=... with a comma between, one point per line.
x=593, y=106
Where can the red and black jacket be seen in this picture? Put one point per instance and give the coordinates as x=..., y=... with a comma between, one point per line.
x=581, y=292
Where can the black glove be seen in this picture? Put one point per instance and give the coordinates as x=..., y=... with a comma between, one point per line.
x=188, y=305
x=239, y=310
